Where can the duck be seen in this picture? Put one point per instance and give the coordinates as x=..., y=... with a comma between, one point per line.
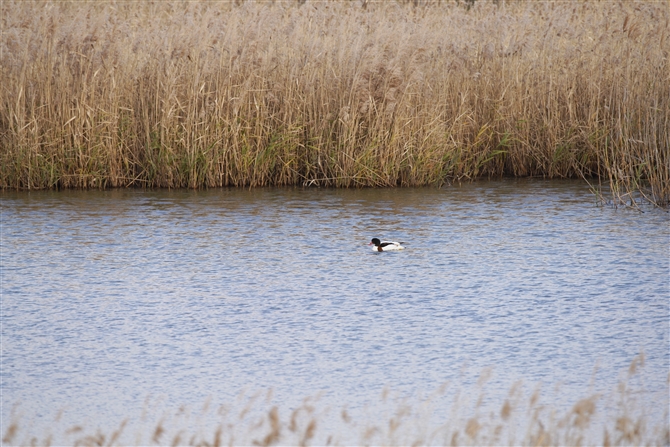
x=378, y=245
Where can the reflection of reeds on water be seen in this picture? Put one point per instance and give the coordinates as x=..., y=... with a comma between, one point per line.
x=521, y=419
x=204, y=94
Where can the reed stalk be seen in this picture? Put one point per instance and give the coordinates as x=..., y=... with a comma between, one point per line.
x=347, y=94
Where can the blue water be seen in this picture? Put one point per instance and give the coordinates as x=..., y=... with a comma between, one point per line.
x=134, y=304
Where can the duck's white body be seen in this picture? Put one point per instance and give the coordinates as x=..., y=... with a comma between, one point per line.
x=378, y=245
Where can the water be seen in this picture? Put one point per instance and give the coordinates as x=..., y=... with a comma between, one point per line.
x=116, y=303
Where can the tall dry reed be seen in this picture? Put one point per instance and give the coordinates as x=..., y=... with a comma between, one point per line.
x=337, y=93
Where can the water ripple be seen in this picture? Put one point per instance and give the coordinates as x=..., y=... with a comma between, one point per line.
x=112, y=296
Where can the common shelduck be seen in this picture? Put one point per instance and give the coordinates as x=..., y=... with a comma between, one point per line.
x=378, y=245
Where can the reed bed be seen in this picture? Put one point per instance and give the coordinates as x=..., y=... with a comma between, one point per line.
x=623, y=418
x=334, y=93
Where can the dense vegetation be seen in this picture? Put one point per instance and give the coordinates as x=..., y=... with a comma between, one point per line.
x=334, y=93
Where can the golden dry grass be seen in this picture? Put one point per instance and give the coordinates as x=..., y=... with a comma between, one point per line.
x=337, y=93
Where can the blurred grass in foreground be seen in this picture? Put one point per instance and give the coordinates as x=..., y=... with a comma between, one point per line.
x=520, y=419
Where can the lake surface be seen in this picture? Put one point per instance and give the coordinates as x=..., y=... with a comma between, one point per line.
x=141, y=304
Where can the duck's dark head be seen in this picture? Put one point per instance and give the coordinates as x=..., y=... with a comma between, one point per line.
x=376, y=242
